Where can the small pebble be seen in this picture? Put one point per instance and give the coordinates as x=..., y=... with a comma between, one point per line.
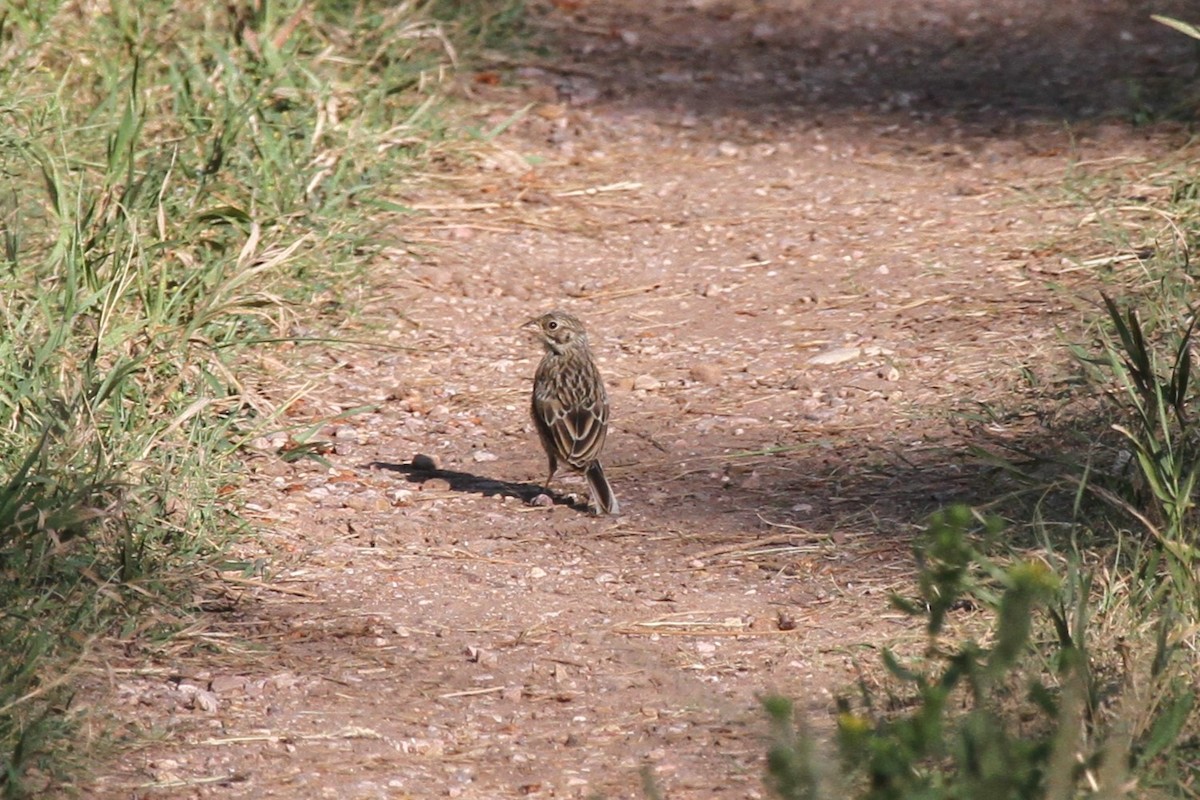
x=705, y=373
x=367, y=501
x=762, y=31
x=227, y=684
x=647, y=383
x=837, y=355
x=425, y=463
x=207, y=701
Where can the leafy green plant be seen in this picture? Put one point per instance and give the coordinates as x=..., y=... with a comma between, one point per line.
x=792, y=772
x=1015, y=715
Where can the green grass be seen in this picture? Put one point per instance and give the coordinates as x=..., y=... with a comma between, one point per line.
x=175, y=177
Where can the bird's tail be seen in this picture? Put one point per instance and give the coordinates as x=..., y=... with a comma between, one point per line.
x=602, y=493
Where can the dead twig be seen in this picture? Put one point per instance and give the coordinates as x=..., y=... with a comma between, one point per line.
x=471, y=692
x=345, y=733
x=615, y=293
x=732, y=548
x=620, y=186
x=257, y=584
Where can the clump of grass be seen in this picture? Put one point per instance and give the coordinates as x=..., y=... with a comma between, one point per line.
x=1162, y=431
x=1140, y=364
x=489, y=22
x=174, y=176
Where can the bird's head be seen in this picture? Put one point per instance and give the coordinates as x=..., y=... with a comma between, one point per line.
x=558, y=330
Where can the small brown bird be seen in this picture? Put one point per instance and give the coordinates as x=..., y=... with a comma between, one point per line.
x=570, y=406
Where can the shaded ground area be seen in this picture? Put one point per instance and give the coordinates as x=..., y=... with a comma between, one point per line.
x=801, y=235
x=996, y=63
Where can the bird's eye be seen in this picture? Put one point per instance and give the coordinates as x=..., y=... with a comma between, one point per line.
x=552, y=325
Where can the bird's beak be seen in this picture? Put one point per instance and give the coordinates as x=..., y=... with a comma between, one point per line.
x=529, y=324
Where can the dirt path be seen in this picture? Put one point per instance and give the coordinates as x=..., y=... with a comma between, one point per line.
x=799, y=235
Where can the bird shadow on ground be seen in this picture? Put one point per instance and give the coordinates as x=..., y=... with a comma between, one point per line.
x=834, y=490
x=470, y=483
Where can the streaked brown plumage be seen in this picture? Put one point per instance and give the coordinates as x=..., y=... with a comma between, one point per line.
x=570, y=406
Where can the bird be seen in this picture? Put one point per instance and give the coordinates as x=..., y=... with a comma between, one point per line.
x=569, y=405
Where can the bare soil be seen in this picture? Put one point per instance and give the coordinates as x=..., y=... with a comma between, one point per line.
x=805, y=238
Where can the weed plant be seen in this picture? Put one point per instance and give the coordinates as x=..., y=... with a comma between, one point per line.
x=1031, y=710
